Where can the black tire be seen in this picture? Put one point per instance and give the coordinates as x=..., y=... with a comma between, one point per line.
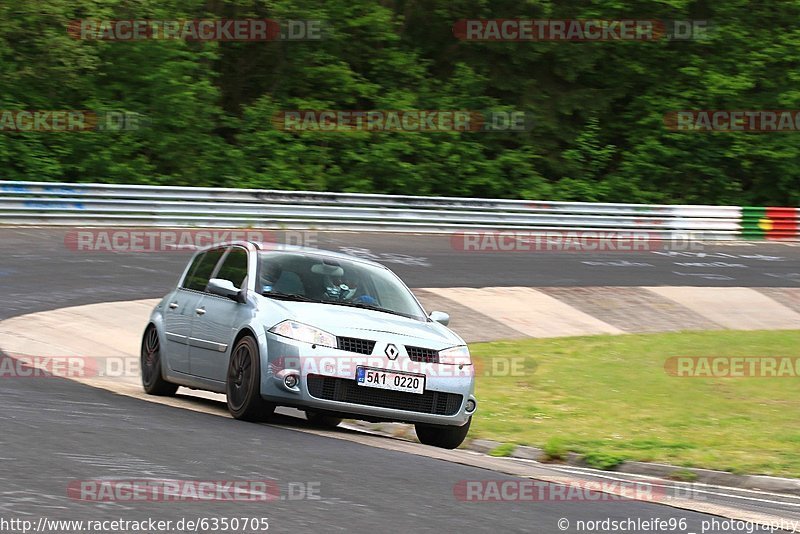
x=243, y=384
x=445, y=437
x=150, y=362
x=320, y=420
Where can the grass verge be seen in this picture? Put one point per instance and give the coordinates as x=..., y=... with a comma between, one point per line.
x=610, y=398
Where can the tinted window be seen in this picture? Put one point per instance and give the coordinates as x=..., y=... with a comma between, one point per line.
x=197, y=279
x=235, y=267
x=192, y=268
x=335, y=281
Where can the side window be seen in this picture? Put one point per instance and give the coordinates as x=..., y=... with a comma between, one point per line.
x=235, y=267
x=192, y=268
x=197, y=278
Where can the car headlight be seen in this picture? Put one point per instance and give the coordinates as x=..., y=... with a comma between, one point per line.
x=455, y=356
x=304, y=332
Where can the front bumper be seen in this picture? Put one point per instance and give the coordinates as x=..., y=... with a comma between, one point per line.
x=326, y=382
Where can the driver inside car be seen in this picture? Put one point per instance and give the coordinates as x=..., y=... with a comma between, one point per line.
x=346, y=288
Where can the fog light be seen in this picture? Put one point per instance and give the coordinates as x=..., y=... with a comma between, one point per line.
x=471, y=405
x=290, y=381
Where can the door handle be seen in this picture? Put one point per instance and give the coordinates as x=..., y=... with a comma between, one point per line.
x=173, y=305
x=200, y=311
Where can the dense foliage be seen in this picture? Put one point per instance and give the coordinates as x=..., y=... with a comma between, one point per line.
x=598, y=107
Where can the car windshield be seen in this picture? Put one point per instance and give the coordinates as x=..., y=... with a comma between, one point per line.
x=337, y=281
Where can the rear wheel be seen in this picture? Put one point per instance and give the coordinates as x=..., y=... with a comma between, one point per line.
x=152, y=379
x=243, y=385
x=445, y=437
x=320, y=420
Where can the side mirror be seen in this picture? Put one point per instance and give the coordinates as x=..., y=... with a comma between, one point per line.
x=440, y=317
x=223, y=288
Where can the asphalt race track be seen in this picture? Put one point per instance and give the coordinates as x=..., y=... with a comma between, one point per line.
x=81, y=433
x=54, y=432
x=39, y=272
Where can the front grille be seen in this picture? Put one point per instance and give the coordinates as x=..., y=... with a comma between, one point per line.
x=353, y=344
x=344, y=390
x=420, y=354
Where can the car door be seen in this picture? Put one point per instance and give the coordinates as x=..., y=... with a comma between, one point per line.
x=215, y=325
x=182, y=308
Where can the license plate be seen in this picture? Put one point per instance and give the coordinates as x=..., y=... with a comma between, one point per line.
x=378, y=378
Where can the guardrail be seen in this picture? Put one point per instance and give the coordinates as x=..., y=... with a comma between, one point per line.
x=49, y=203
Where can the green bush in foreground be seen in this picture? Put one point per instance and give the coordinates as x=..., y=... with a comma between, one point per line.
x=555, y=450
x=602, y=460
x=506, y=449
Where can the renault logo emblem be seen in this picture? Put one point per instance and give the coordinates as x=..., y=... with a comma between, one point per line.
x=391, y=351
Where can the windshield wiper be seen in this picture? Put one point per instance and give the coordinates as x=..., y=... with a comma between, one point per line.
x=367, y=307
x=301, y=298
x=287, y=296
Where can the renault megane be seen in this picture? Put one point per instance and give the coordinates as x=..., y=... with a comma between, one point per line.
x=333, y=335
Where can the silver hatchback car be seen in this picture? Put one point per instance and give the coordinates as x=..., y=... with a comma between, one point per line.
x=330, y=334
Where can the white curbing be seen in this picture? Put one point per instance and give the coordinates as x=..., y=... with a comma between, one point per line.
x=528, y=311
x=736, y=308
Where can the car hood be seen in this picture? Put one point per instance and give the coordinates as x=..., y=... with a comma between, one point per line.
x=357, y=322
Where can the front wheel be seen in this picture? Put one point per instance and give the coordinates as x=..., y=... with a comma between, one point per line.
x=445, y=437
x=150, y=362
x=243, y=385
